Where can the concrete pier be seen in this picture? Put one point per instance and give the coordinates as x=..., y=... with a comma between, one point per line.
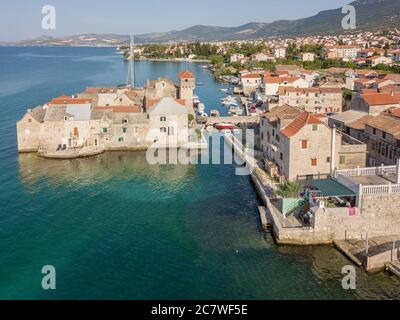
x=374, y=254
x=266, y=225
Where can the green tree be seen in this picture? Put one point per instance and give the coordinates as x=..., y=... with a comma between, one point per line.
x=289, y=189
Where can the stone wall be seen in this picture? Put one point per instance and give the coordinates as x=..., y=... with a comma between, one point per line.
x=28, y=134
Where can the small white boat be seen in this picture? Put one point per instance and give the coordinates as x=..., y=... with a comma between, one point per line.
x=235, y=110
x=201, y=107
x=196, y=100
x=229, y=101
x=214, y=113
x=224, y=89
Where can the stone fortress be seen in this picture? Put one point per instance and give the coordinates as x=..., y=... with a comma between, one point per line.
x=114, y=118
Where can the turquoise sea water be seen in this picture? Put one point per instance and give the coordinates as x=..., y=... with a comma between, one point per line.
x=117, y=228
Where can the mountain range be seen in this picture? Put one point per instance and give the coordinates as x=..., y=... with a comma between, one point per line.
x=372, y=15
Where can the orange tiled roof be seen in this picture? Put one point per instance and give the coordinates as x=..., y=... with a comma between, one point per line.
x=99, y=90
x=393, y=112
x=63, y=100
x=280, y=79
x=381, y=98
x=297, y=124
x=186, y=75
x=151, y=102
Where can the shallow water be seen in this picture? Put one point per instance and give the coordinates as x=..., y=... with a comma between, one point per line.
x=117, y=228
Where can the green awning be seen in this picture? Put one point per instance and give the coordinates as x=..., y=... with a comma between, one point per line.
x=331, y=188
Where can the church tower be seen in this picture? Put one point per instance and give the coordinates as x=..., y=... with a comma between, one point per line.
x=187, y=84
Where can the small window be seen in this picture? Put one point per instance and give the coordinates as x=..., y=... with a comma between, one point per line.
x=328, y=160
x=163, y=130
x=314, y=162
x=304, y=144
x=171, y=131
x=121, y=139
x=281, y=156
x=124, y=130
x=342, y=160
x=384, y=135
x=125, y=121
x=278, y=138
x=374, y=131
x=30, y=120
x=163, y=119
x=315, y=127
x=105, y=130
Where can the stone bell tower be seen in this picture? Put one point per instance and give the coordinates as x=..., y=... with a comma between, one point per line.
x=187, y=84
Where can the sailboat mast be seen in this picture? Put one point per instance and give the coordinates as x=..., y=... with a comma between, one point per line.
x=130, y=81
x=133, y=60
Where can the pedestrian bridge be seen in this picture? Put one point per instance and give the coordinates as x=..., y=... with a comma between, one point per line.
x=233, y=120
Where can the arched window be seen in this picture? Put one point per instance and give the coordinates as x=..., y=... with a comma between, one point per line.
x=163, y=130
x=163, y=119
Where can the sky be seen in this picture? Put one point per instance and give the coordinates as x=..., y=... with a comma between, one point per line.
x=22, y=19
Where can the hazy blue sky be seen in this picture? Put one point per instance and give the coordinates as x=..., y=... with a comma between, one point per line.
x=21, y=19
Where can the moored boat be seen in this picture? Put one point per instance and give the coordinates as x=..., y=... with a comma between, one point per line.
x=224, y=126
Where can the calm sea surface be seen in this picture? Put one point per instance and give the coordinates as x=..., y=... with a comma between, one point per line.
x=117, y=228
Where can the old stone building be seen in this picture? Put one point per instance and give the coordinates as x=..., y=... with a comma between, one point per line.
x=100, y=119
x=314, y=100
x=297, y=143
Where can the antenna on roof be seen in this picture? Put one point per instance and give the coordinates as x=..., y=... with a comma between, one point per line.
x=130, y=81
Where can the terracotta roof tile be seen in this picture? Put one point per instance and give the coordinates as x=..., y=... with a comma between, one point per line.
x=297, y=124
x=376, y=99
x=186, y=75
